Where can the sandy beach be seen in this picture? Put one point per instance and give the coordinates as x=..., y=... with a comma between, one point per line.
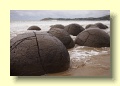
x=95, y=66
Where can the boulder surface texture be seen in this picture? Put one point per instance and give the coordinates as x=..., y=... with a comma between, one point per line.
x=37, y=53
x=74, y=29
x=93, y=38
x=63, y=36
x=57, y=26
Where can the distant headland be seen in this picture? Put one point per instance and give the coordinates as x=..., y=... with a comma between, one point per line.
x=106, y=17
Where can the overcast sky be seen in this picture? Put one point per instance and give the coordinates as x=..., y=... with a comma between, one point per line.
x=40, y=14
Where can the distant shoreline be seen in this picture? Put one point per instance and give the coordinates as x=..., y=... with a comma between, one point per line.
x=103, y=18
x=74, y=20
x=107, y=17
x=53, y=20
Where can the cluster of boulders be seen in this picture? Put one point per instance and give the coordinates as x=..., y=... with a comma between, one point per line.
x=96, y=25
x=38, y=53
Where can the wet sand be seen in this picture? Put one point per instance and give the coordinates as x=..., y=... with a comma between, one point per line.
x=95, y=66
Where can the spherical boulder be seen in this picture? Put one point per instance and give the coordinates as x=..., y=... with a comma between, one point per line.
x=74, y=29
x=37, y=53
x=101, y=26
x=93, y=38
x=63, y=36
x=34, y=28
x=57, y=26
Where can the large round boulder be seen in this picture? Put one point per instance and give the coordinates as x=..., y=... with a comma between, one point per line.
x=101, y=26
x=93, y=38
x=34, y=28
x=63, y=36
x=74, y=29
x=57, y=26
x=37, y=53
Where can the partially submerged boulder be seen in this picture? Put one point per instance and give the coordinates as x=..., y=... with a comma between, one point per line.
x=63, y=36
x=91, y=26
x=34, y=28
x=101, y=26
x=74, y=29
x=96, y=25
x=93, y=38
x=37, y=53
x=57, y=26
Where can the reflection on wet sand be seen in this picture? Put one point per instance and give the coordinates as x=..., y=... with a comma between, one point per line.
x=87, y=61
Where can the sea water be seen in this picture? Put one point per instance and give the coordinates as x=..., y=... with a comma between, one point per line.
x=18, y=27
x=79, y=55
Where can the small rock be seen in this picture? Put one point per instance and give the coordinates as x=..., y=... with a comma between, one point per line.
x=34, y=28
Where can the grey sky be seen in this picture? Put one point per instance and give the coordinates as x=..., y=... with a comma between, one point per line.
x=40, y=14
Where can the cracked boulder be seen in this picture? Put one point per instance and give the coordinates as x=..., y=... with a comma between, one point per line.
x=74, y=29
x=57, y=26
x=93, y=38
x=63, y=36
x=34, y=28
x=37, y=53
